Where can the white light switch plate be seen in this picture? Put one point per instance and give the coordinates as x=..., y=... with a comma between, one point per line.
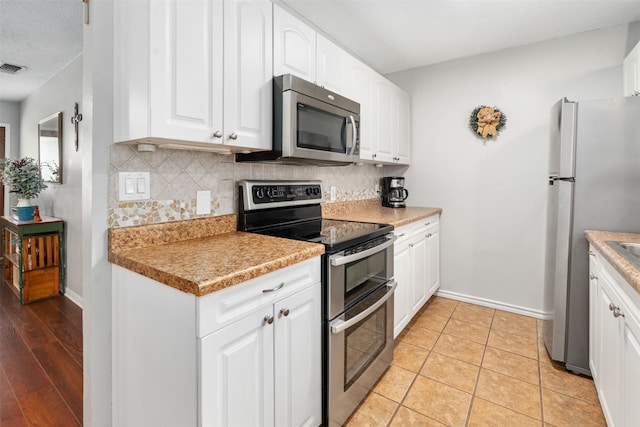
x=134, y=186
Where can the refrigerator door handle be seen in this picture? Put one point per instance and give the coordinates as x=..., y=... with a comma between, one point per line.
x=554, y=178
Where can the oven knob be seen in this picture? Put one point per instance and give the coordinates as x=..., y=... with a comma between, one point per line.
x=309, y=191
x=259, y=193
x=269, y=193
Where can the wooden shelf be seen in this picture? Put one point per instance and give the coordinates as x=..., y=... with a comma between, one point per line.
x=33, y=254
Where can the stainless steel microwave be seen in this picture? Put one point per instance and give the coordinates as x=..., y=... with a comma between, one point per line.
x=311, y=125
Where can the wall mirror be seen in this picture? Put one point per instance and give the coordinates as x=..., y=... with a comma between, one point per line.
x=50, y=147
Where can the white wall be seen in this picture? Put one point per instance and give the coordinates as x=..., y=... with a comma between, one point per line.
x=60, y=93
x=493, y=193
x=10, y=119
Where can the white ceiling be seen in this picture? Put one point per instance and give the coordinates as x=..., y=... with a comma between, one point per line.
x=394, y=35
x=42, y=35
x=391, y=35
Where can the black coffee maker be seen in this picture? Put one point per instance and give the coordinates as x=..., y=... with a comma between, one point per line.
x=393, y=192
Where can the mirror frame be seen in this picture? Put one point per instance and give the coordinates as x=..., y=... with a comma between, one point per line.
x=57, y=116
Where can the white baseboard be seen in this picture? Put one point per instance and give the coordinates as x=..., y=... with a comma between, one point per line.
x=74, y=297
x=538, y=314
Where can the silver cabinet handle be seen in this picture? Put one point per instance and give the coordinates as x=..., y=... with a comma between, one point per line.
x=284, y=312
x=427, y=223
x=233, y=136
x=616, y=310
x=217, y=134
x=593, y=277
x=268, y=319
x=340, y=325
x=591, y=253
x=400, y=235
x=273, y=289
x=337, y=260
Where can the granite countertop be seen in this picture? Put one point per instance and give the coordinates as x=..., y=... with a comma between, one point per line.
x=204, y=255
x=599, y=238
x=371, y=210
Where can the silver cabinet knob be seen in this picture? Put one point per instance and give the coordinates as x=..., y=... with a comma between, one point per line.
x=616, y=310
x=217, y=134
x=268, y=319
x=617, y=313
x=284, y=312
x=374, y=155
x=233, y=136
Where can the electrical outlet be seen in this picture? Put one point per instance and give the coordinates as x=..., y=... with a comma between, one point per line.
x=376, y=188
x=333, y=193
x=203, y=202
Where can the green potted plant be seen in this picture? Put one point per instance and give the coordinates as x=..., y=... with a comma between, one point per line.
x=23, y=177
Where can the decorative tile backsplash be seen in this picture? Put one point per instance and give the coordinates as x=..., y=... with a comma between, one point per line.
x=176, y=176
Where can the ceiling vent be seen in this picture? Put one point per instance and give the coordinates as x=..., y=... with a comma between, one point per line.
x=10, y=68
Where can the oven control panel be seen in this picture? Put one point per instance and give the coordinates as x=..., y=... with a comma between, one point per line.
x=267, y=194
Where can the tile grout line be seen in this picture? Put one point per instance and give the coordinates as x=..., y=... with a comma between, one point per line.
x=475, y=387
x=401, y=403
x=540, y=375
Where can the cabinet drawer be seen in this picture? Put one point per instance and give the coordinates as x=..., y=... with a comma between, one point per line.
x=222, y=308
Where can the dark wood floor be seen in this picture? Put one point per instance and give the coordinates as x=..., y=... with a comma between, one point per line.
x=40, y=362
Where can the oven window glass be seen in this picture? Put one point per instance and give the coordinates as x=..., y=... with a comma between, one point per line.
x=364, y=341
x=364, y=275
x=319, y=130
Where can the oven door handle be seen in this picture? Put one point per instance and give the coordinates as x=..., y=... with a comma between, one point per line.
x=337, y=260
x=340, y=325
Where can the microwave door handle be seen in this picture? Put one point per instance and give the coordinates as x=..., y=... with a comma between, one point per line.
x=355, y=134
x=337, y=260
x=340, y=325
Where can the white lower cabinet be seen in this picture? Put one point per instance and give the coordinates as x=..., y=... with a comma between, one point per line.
x=615, y=337
x=249, y=355
x=416, y=268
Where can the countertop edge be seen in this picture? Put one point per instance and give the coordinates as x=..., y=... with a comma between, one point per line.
x=299, y=252
x=599, y=238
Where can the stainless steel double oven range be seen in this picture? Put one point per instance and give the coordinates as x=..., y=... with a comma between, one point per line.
x=357, y=291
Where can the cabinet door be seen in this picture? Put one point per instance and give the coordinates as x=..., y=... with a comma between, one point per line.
x=332, y=66
x=185, y=70
x=298, y=359
x=248, y=73
x=433, y=263
x=402, y=146
x=630, y=70
x=419, y=261
x=236, y=373
x=631, y=368
x=383, y=119
x=608, y=352
x=593, y=312
x=360, y=89
x=294, y=46
x=402, y=297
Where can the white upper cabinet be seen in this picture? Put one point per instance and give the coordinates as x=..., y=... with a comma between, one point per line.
x=332, y=66
x=294, y=46
x=631, y=71
x=194, y=72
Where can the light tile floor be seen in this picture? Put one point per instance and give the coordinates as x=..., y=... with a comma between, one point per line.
x=460, y=364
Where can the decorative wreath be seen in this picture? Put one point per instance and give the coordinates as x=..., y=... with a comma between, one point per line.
x=487, y=121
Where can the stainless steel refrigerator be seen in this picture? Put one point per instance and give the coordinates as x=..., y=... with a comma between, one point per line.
x=594, y=184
